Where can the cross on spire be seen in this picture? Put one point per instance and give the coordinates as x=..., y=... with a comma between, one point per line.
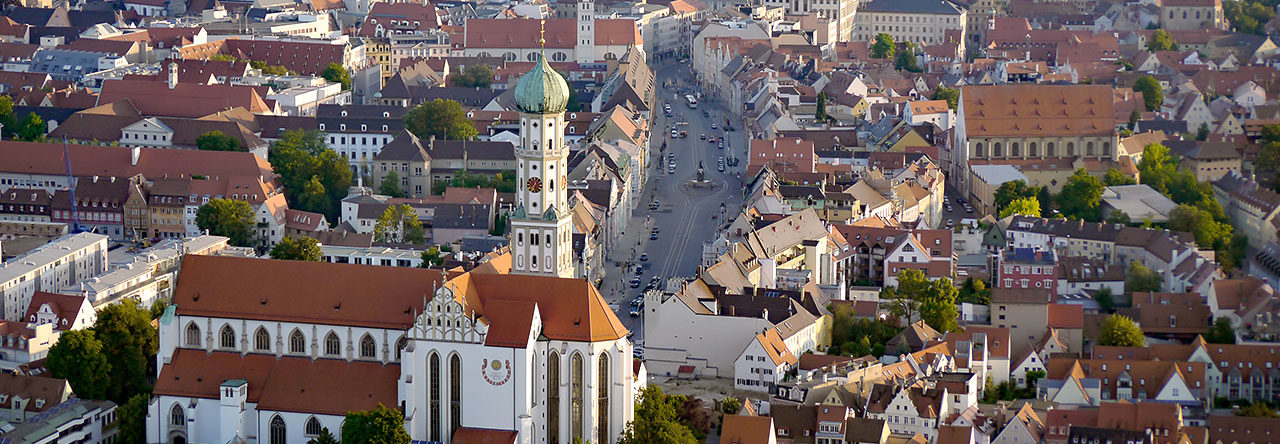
x=542, y=35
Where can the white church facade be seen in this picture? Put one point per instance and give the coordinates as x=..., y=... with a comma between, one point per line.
x=272, y=352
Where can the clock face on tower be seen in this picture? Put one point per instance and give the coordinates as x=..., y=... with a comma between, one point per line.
x=534, y=184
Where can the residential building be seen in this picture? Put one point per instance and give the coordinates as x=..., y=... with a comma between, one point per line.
x=923, y=22
x=63, y=311
x=65, y=261
x=408, y=160
x=1251, y=208
x=359, y=132
x=585, y=39
x=1027, y=313
x=763, y=364
x=1138, y=202
x=1026, y=268
x=841, y=12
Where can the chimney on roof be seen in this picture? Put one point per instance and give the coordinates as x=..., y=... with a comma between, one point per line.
x=134, y=153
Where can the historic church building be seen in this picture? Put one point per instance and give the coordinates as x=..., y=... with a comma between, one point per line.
x=272, y=352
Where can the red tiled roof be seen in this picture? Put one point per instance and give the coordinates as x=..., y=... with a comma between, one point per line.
x=105, y=161
x=290, y=383
x=469, y=435
x=155, y=98
x=1065, y=316
x=560, y=33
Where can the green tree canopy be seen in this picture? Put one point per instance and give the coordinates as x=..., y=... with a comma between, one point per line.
x=934, y=300
x=1115, y=178
x=1026, y=206
x=380, y=425
x=325, y=437
x=1221, y=332
x=1152, y=92
x=230, y=218
x=77, y=357
x=730, y=405
x=906, y=61
x=1120, y=331
x=130, y=344
x=1140, y=278
x=1080, y=197
x=657, y=421
x=882, y=47
x=1249, y=17
x=951, y=95
x=1209, y=233
x=821, y=112
x=1013, y=190
x=301, y=157
x=7, y=117
x=131, y=418
x=474, y=76
x=217, y=141
x=32, y=128
x=337, y=74
x=1161, y=41
x=297, y=249
x=442, y=118
x=431, y=258
x=390, y=185
x=399, y=223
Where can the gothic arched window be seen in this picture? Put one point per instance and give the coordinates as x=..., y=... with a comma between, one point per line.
x=227, y=337
x=368, y=349
x=434, y=383
x=455, y=392
x=553, y=398
x=277, y=430
x=331, y=344
x=602, y=400
x=193, y=335
x=575, y=398
x=297, y=343
x=261, y=340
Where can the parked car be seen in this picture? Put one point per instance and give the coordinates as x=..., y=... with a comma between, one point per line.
x=635, y=283
x=644, y=257
x=653, y=236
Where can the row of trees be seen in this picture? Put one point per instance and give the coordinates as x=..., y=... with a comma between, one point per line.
x=1198, y=212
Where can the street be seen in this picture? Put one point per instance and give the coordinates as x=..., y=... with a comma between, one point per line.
x=684, y=217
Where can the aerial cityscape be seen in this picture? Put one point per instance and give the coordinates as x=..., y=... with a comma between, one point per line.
x=639, y=222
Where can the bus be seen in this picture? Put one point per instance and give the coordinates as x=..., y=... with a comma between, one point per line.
x=693, y=103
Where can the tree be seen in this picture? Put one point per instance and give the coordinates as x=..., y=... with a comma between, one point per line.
x=1221, y=332
x=129, y=343
x=974, y=291
x=730, y=405
x=230, y=218
x=1013, y=190
x=935, y=300
x=337, y=74
x=1152, y=92
x=821, y=112
x=1203, y=132
x=1133, y=118
x=499, y=225
x=300, y=157
x=1080, y=197
x=157, y=308
x=391, y=185
x=297, y=249
x=77, y=357
x=32, y=128
x=475, y=76
x=325, y=437
x=1118, y=217
x=399, y=223
x=1161, y=41
x=1249, y=17
x=431, y=258
x=1120, y=331
x=883, y=47
x=1033, y=376
x=1115, y=178
x=1209, y=233
x=217, y=141
x=693, y=415
x=442, y=118
x=951, y=95
x=1027, y=206
x=656, y=421
x=1141, y=278
x=1106, y=301
x=1268, y=157
x=132, y=419
x=7, y=118
x=1258, y=410
x=906, y=61
x=380, y=425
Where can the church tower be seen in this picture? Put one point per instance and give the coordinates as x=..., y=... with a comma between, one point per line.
x=541, y=231
x=586, y=46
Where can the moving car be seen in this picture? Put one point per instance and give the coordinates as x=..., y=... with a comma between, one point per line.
x=715, y=126
x=644, y=257
x=653, y=236
x=635, y=282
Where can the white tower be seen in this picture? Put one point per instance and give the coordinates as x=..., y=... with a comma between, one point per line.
x=541, y=228
x=586, y=47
